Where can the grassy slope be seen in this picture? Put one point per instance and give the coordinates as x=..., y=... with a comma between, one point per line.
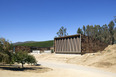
x=38, y=44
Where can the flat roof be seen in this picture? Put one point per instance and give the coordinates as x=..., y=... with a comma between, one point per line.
x=67, y=36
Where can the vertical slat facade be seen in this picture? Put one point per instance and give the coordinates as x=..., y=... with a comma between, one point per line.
x=68, y=44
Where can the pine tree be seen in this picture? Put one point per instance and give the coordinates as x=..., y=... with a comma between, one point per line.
x=111, y=30
x=84, y=29
x=79, y=31
x=62, y=32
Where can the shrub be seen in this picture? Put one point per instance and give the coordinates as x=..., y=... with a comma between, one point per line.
x=23, y=57
x=4, y=58
x=52, y=51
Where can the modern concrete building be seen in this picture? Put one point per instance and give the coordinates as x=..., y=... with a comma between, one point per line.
x=68, y=44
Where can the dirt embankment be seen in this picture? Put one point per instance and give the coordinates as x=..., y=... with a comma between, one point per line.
x=105, y=59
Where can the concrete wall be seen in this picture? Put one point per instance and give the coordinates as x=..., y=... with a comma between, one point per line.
x=69, y=44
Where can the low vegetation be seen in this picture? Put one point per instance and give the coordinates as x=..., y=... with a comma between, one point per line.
x=23, y=57
x=38, y=44
x=8, y=57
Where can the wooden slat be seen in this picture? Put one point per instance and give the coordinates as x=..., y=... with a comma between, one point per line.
x=78, y=42
x=72, y=45
x=68, y=45
x=76, y=46
x=56, y=45
x=60, y=45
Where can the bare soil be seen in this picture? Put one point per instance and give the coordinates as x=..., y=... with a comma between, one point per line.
x=27, y=68
x=100, y=64
x=105, y=59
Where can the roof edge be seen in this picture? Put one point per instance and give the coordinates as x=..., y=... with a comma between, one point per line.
x=67, y=36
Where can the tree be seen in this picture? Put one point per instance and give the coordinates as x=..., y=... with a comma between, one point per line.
x=115, y=19
x=111, y=30
x=31, y=59
x=115, y=35
x=5, y=45
x=62, y=32
x=5, y=54
x=23, y=57
x=87, y=30
x=105, y=33
x=84, y=29
x=79, y=31
x=4, y=58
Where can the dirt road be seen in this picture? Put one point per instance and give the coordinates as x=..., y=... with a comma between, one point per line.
x=64, y=69
x=60, y=70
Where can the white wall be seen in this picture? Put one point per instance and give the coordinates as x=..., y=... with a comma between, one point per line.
x=47, y=51
x=36, y=51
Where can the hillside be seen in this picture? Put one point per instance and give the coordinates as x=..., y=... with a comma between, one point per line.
x=17, y=43
x=37, y=44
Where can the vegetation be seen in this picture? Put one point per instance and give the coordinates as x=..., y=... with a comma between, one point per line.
x=79, y=31
x=5, y=47
x=23, y=57
x=4, y=58
x=38, y=44
x=62, y=32
x=105, y=33
x=8, y=57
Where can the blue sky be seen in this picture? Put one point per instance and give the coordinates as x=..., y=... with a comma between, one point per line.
x=40, y=20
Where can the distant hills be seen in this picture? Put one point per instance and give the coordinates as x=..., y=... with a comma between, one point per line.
x=35, y=43
x=17, y=43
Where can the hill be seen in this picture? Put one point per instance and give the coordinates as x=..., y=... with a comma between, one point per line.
x=17, y=43
x=36, y=44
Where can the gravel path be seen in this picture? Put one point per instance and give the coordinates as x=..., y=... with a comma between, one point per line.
x=87, y=71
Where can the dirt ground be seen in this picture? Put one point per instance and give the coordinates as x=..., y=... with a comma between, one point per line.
x=100, y=64
x=27, y=68
x=105, y=59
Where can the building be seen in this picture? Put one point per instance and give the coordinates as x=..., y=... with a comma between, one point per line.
x=32, y=49
x=74, y=44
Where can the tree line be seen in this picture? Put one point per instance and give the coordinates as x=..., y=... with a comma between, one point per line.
x=105, y=33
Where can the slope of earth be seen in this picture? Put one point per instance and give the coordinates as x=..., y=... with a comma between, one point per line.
x=105, y=59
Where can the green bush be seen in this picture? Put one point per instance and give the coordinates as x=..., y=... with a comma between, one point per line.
x=31, y=59
x=23, y=57
x=52, y=51
x=4, y=58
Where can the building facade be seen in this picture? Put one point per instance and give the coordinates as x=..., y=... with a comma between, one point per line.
x=77, y=44
x=68, y=44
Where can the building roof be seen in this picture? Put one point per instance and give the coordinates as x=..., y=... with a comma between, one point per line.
x=67, y=36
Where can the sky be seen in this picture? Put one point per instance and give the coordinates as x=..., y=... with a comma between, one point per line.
x=40, y=20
